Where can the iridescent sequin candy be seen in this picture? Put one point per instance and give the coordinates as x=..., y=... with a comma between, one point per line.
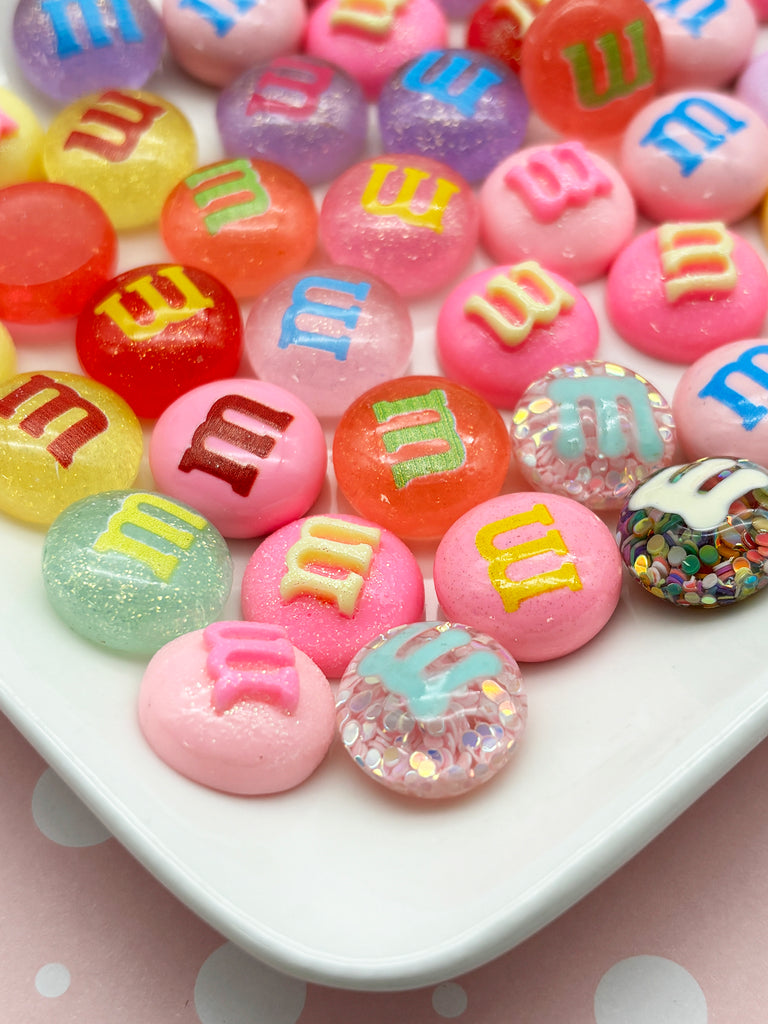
x=458, y=106
x=67, y=48
x=328, y=335
x=299, y=111
x=431, y=709
x=125, y=147
x=62, y=437
x=131, y=570
x=697, y=534
x=592, y=431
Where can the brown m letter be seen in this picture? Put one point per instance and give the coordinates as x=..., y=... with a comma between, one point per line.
x=239, y=477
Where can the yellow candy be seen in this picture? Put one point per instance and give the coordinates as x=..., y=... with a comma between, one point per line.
x=126, y=148
x=21, y=142
x=7, y=355
x=62, y=437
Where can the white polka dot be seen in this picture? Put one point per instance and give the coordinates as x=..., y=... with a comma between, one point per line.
x=52, y=980
x=649, y=990
x=449, y=1000
x=61, y=816
x=233, y=988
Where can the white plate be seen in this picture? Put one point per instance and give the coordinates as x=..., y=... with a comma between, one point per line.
x=338, y=882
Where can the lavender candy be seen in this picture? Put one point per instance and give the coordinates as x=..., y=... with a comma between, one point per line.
x=68, y=48
x=461, y=107
x=298, y=111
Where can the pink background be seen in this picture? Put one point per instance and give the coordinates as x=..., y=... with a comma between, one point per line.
x=677, y=936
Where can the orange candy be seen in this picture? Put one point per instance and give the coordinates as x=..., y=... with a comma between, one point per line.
x=414, y=454
x=588, y=66
x=248, y=222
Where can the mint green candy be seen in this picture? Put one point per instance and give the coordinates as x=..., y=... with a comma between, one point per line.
x=131, y=570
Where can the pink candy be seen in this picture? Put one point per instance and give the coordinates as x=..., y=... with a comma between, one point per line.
x=249, y=455
x=539, y=572
x=504, y=327
x=371, y=41
x=411, y=220
x=560, y=205
x=682, y=289
x=332, y=582
x=236, y=707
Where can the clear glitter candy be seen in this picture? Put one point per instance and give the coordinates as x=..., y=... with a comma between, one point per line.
x=591, y=432
x=438, y=754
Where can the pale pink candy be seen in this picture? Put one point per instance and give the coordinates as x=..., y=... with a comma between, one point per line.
x=559, y=204
x=696, y=154
x=538, y=572
x=254, y=746
x=218, y=46
x=721, y=403
x=371, y=41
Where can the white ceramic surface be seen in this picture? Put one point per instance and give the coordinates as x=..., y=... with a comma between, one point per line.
x=337, y=881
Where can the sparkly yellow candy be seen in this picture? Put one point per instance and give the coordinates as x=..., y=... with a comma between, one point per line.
x=125, y=147
x=21, y=141
x=62, y=437
x=7, y=355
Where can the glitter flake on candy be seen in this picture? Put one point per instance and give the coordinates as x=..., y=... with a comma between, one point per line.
x=697, y=534
x=431, y=709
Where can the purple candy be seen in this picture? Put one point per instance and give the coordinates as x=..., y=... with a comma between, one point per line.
x=298, y=111
x=461, y=107
x=752, y=86
x=67, y=48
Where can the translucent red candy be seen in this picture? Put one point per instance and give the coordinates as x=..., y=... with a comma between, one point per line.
x=588, y=66
x=498, y=28
x=48, y=271
x=156, y=332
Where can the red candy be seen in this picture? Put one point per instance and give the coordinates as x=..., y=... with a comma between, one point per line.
x=588, y=66
x=154, y=333
x=48, y=271
x=416, y=453
x=248, y=222
x=498, y=28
